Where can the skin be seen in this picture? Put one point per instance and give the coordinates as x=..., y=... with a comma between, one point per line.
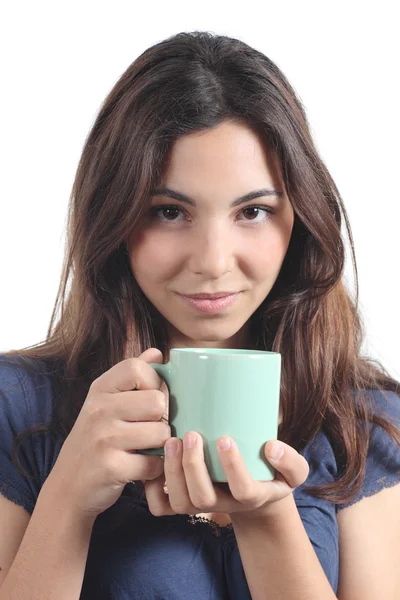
x=212, y=247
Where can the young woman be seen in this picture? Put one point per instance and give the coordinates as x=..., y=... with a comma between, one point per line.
x=199, y=178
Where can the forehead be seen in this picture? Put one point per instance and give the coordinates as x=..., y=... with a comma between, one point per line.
x=230, y=150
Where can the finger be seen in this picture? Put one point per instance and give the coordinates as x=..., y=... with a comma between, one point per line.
x=202, y=493
x=178, y=493
x=248, y=493
x=146, y=405
x=137, y=436
x=140, y=467
x=190, y=487
x=243, y=487
x=156, y=497
x=285, y=459
x=129, y=374
x=154, y=355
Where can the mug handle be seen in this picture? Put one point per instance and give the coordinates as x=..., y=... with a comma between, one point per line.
x=163, y=371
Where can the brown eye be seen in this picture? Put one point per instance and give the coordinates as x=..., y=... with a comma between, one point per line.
x=255, y=211
x=250, y=210
x=165, y=213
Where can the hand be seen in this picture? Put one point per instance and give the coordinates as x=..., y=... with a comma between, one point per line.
x=191, y=491
x=123, y=412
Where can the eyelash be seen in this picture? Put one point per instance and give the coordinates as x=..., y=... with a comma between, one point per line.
x=155, y=210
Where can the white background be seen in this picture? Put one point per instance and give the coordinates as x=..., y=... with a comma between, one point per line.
x=59, y=61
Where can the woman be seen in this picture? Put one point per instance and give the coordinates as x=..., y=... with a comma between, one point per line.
x=199, y=177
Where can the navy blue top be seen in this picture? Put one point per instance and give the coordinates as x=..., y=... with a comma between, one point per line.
x=177, y=556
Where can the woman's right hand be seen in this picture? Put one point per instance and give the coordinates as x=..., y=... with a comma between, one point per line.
x=121, y=414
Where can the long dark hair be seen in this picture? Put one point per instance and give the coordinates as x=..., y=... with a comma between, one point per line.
x=190, y=82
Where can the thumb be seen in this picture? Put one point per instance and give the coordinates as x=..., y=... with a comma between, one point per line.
x=152, y=355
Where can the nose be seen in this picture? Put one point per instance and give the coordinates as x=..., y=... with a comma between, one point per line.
x=211, y=253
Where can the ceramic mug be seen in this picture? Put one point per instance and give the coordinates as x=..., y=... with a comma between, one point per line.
x=222, y=391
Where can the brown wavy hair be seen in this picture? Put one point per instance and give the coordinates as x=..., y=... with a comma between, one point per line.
x=186, y=83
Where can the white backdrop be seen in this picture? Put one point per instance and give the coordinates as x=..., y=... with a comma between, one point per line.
x=60, y=60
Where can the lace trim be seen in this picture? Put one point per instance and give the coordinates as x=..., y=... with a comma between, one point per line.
x=381, y=483
x=217, y=529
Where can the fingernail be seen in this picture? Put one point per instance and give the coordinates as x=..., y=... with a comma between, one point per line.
x=171, y=447
x=276, y=451
x=189, y=440
x=224, y=443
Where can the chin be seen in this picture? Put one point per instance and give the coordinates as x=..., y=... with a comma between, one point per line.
x=208, y=332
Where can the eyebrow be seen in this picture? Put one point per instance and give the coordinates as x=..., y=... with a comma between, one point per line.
x=164, y=191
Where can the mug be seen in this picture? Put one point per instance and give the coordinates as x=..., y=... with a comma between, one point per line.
x=222, y=391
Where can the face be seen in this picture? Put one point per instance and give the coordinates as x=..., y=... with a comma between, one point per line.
x=206, y=245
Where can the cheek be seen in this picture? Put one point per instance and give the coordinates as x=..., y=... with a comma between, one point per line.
x=150, y=258
x=269, y=251
x=275, y=246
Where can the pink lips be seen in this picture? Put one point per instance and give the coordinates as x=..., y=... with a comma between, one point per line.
x=210, y=306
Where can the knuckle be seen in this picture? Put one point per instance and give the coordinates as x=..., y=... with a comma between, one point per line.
x=158, y=404
x=247, y=496
x=201, y=502
x=106, y=441
x=306, y=466
x=95, y=385
x=174, y=468
x=96, y=409
x=179, y=507
x=136, y=368
x=189, y=460
x=154, y=468
x=156, y=509
x=110, y=467
x=166, y=430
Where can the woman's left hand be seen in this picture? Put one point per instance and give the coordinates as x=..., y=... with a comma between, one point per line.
x=191, y=491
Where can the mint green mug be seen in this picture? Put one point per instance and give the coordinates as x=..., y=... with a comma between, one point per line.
x=221, y=391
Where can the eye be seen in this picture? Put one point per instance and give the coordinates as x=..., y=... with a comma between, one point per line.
x=165, y=213
x=259, y=210
x=168, y=209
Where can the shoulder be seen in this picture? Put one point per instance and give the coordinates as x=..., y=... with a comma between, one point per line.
x=382, y=469
x=25, y=389
x=382, y=403
x=383, y=446
x=25, y=406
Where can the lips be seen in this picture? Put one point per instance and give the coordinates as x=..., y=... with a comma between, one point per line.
x=210, y=305
x=209, y=296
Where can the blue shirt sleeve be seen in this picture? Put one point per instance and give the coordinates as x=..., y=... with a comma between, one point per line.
x=383, y=458
x=25, y=402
